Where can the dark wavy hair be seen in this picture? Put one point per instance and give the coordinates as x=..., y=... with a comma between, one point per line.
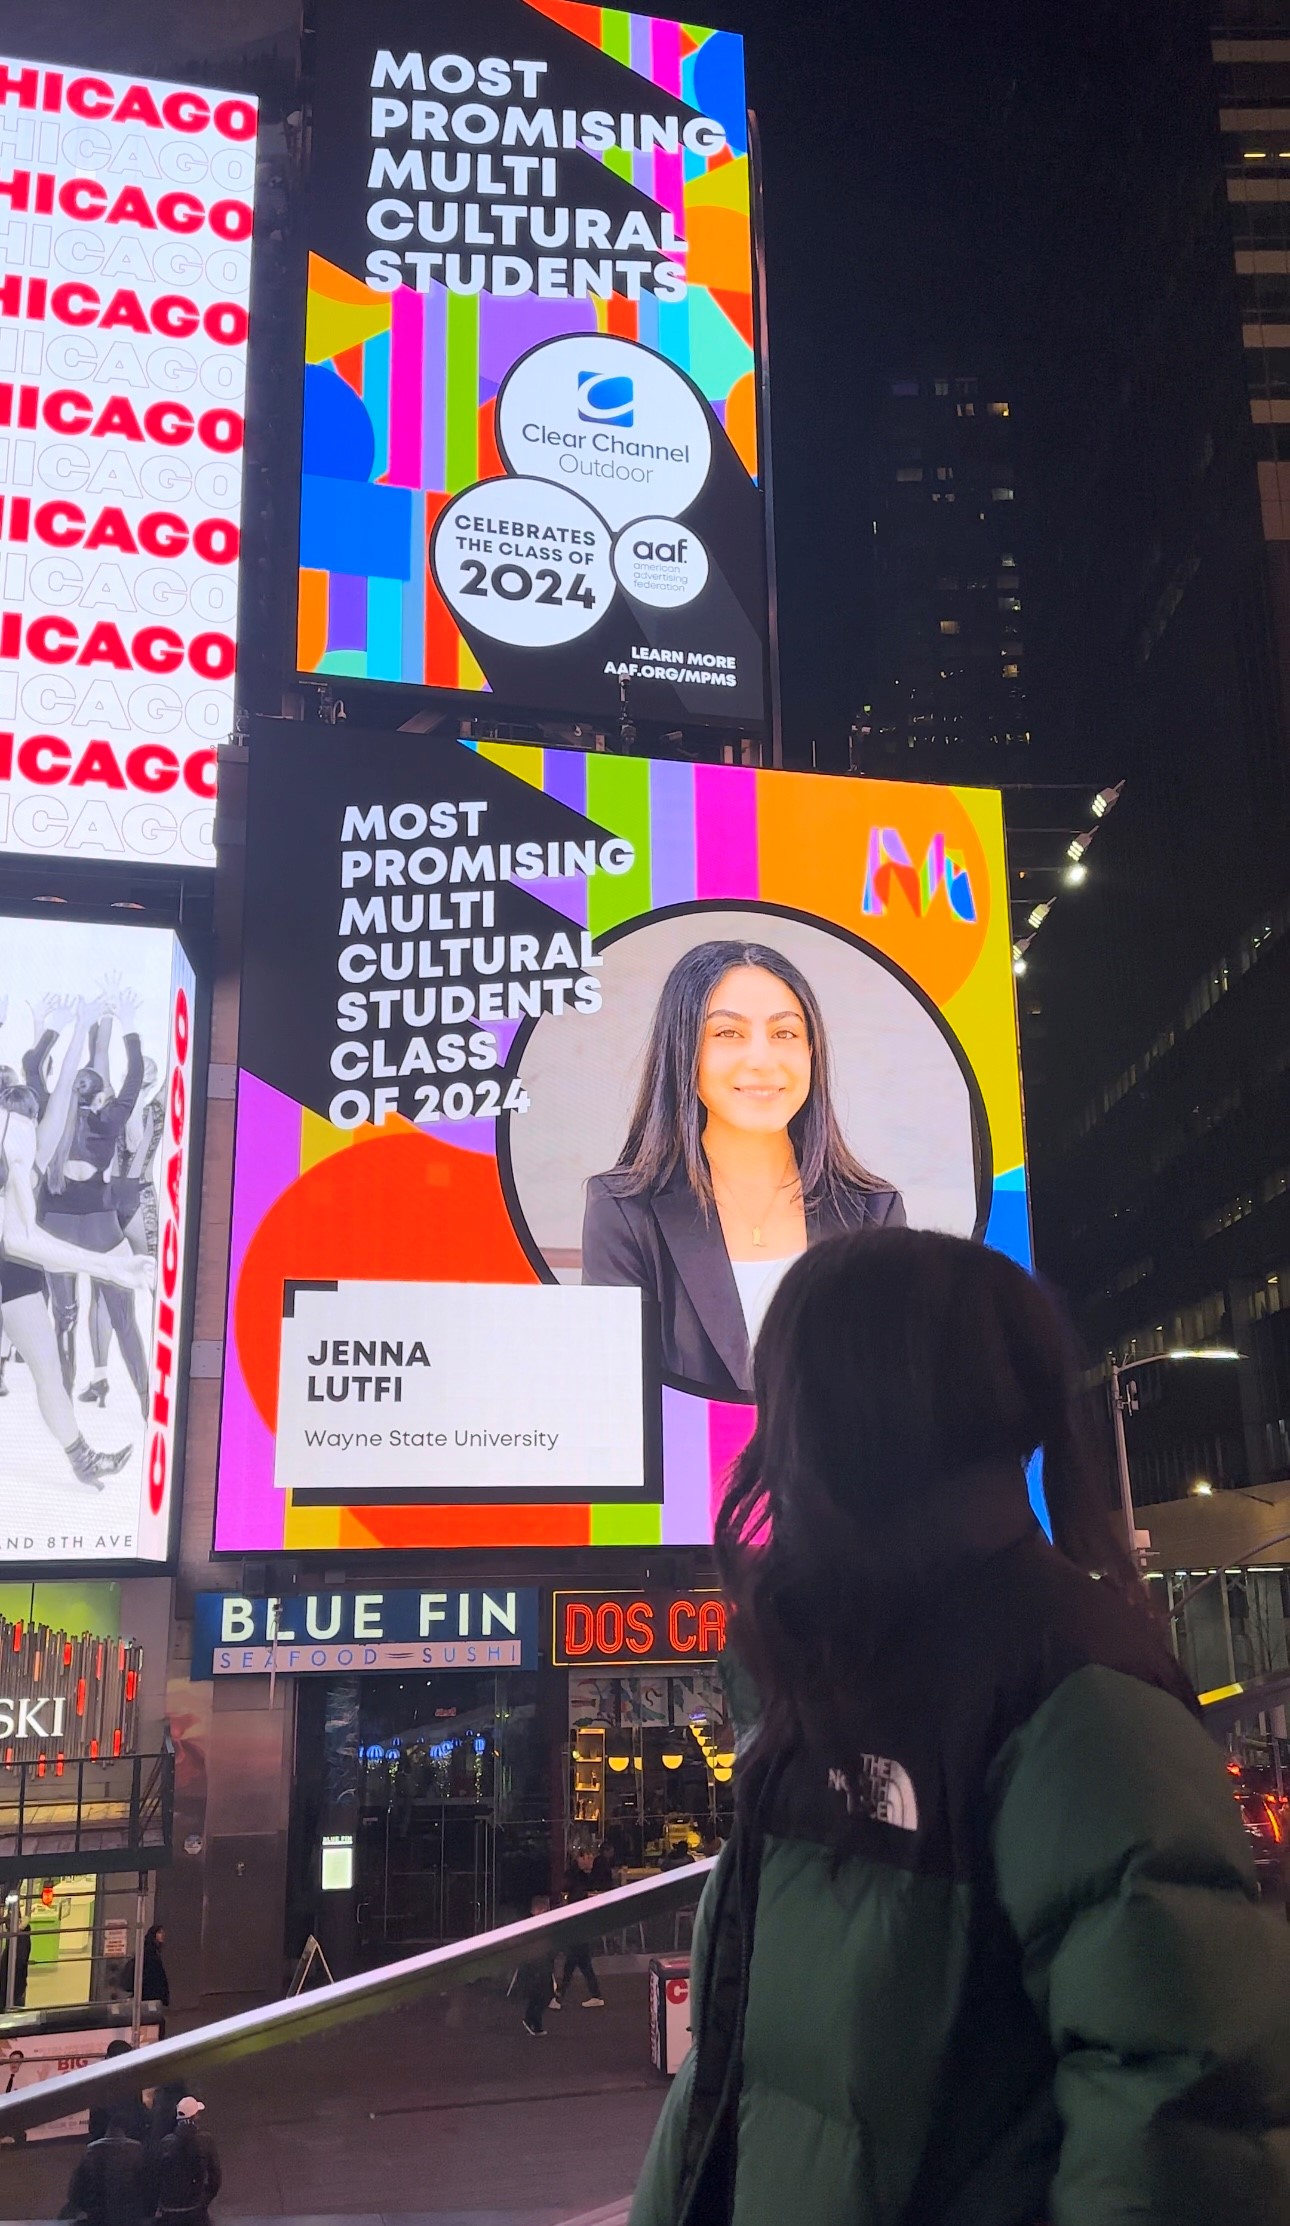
x=902, y=1378
x=666, y=1128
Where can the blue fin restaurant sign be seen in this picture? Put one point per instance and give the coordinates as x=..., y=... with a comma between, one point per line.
x=399, y=1628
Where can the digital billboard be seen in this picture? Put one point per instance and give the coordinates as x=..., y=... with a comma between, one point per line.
x=550, y=1063
x=96, y=1094
x=127, y=213
x=530, y=457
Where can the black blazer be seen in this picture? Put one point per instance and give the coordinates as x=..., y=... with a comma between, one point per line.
x=660, y=1242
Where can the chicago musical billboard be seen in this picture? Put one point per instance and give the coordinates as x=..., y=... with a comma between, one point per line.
x=531, y=458
x=509, y=1017
x=128, y=213
x=96, y=1093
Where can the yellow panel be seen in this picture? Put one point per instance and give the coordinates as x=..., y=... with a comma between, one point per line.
x=311, y=1529
x=726, y=187
x=522, y=759
x=318, y=1139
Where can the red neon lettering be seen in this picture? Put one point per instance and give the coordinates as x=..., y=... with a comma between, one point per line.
x=712, y=1626
x=609, y=1628
x=579, y=1627
x=640, y=1627
x=681, y=1642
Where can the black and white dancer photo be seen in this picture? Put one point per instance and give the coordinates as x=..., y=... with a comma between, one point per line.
x=84, y=1017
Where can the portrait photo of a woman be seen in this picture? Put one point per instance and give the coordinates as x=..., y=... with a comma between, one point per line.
x=733, y=1163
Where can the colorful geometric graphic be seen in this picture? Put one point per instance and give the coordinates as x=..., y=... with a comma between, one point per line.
x=402, y=1202
x=401, y=386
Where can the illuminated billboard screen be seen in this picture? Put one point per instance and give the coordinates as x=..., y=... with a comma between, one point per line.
x=96, y=1061
x=492, y=997
x=127, y=210
x=530, y=454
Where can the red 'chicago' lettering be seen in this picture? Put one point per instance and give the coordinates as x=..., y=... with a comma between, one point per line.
x=182, y=110
x=150, y=768
x=74, y=303
x=163, y=1357
x=61, y=524
x=54, y=640
x=169, y=424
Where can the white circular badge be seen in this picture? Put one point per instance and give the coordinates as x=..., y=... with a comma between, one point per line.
x=523, y=562
x=660, y=563
x=609, y=419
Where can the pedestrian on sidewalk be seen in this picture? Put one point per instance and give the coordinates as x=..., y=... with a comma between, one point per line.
x=111, y=2184
x=188, y=2169
x=535, y=1982
x=582, y=1880
x=130, y=2111
x=985, y=1943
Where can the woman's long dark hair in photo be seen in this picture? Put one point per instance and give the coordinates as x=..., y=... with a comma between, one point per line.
x=666, y=1128
x=903, y=1379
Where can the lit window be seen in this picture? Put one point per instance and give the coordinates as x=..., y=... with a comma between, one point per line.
x=906, y=472
x=966, y=409
x=999, y=409
x=940, y=386
x=1010, y=602
x=949, y=626
x=1011, y=672
x=904, y=387
x=945, y=471
x=1010, y=562
x=1253, y=155
x=1001, y=494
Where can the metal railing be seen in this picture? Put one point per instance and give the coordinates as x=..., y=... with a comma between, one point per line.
x=299, y=2016
x=99, y=1813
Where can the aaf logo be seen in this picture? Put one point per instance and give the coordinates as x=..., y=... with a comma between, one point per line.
x=605, y=401
x=890, y=867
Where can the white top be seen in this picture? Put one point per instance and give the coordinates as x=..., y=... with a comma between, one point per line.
x=757, y=1282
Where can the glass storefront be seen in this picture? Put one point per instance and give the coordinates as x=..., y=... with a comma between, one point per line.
x=441, y=1783
x=651, y=1761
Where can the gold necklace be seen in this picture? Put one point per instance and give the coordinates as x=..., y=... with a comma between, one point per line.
x=756, y=1225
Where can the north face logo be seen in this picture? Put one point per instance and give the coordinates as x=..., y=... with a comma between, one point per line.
x=882, y=1790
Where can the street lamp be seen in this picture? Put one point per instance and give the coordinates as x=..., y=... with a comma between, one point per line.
x=1139, y=1540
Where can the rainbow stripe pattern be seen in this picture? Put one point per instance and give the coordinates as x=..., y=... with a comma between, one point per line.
x=400, y=388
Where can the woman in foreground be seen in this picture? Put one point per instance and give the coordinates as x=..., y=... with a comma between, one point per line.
x=984, y=1948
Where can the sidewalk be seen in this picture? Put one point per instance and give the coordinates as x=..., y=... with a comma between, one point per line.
x=443, y=2114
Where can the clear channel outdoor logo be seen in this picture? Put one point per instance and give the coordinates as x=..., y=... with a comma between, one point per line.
x=605, y=400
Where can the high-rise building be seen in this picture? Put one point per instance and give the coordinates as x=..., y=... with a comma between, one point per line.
x=1156, y=1005
x=946, y=694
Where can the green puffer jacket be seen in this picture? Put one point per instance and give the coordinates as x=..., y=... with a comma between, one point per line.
x=1036, y=1987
